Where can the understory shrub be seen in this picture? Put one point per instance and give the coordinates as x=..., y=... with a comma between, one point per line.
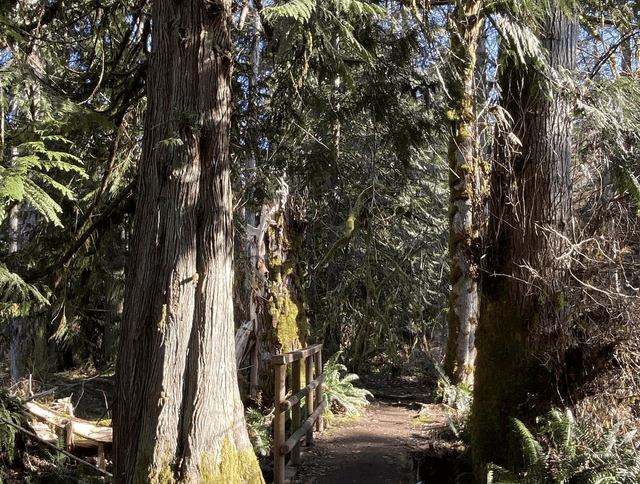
x=458, y=399
x=259, y=428
x=339, y=392
x=10, y=412
x=564, y=451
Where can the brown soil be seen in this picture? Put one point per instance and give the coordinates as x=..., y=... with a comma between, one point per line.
x=385, y=446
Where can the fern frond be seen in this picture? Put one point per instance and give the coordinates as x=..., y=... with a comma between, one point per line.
x=532, y=450
x=259, y=429
x=46, y=179
x=10, y=410
x=521, y=40
x=340, y=390
x=627, y=181
x=59, y=160
x=13, y=289
x=42, y=202
x=563, y=430
x=500, y=475
x=11, y=187
x=355, y=7
x=297, y=10
x=603, y=477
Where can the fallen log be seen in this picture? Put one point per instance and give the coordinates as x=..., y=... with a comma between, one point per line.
x=82, y=428
x=92, y=436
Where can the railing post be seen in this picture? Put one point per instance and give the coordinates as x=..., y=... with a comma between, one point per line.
x=278, y=424
x=295, y=410
x=254, y=385
x=309, y=398
x=320, y=421
x=314, y=406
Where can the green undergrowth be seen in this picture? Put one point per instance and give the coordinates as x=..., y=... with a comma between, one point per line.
x=259, y=428
x=10, y=413
x=562, y=450
x=458, y=400
x=342, y=396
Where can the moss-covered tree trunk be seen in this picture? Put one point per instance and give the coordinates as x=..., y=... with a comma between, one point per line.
x=523, y=315
x=466, y=192
x=277, y=301
x=177, y=410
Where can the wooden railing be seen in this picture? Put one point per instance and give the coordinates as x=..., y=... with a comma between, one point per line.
x=314, y=406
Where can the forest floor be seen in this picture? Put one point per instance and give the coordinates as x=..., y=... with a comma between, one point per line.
x=402, y=438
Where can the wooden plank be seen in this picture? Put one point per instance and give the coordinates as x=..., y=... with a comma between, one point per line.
x=278, y=425
x=43, y=431
x=298, y=434
x=83, y=428
x=293, y=399
x=243, y=336
x=296, y=355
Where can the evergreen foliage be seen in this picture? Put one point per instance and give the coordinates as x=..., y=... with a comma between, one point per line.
x=259, y=427
x=10, y=411
x=369, y=164
x=339, y=392
x=564, y=451
x=608, y=129
x=23, y=179
x=347, y=99
x=72, y=106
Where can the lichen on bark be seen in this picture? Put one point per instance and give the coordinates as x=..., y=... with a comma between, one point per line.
x=287, y=312
x=466, y=187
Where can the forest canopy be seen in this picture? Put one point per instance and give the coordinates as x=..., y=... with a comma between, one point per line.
x=429, y=189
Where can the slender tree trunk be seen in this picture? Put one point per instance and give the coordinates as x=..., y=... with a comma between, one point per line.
x=523, y=316
x=27, y=350
x=177, y=411
x=466, y=193
x=331, y=271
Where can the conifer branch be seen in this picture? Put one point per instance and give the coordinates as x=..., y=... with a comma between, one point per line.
x=79, y=242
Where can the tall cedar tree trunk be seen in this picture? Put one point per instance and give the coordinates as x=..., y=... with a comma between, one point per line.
x=523, y=314
x=466, y=193
x=177, y=411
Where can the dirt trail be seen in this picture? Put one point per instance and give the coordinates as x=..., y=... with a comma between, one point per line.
x=377, y=449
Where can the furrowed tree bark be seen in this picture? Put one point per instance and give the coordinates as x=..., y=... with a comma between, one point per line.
x=466, y=178
x=177, y=411
x=523, y=316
